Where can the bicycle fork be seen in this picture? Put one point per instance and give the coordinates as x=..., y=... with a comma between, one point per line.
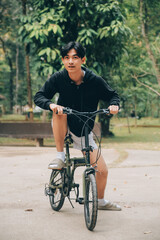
x=86, y=172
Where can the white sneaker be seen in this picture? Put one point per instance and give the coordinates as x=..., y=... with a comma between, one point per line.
x=110, y=206
x=56, y=164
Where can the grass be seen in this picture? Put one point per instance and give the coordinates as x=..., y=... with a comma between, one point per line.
x=12, y=117
x=18, y=118
x=138, y=138
x=147, y=121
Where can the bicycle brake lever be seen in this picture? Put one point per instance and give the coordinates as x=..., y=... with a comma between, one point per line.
x=67, y=110
x=106, y=111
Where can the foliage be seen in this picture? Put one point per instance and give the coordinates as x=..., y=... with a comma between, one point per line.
x=103, y=34
x=135, y=63
x=9, y=24
x=49, y=28
x=103, y=27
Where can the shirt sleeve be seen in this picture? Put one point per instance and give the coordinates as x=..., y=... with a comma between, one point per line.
x=108, y=94
x=44, y=96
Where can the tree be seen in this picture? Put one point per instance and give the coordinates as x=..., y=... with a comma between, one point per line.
x=146, y=9
x=136, y=64
x=11, y=65
x=99, y=26
x=7, y=40
x=27, y=50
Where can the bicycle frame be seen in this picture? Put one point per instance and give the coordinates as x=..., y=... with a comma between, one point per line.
x=73, y=163
x=62, y=180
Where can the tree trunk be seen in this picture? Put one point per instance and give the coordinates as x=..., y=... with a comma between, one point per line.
x=11, y=84
x=144, y=25
x=135, y=110
x=17, y=75
x=29, y=87
x=105, y=122
x=44, y=116
x=11, y=74
x=105, y=126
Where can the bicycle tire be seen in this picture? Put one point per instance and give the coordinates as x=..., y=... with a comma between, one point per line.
x=90, y=202
x=57, y=198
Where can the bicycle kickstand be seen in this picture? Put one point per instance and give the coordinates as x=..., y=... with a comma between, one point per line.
x=70, y=201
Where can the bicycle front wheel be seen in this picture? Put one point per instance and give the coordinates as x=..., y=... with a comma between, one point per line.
x=56, y=197
x=91, y=202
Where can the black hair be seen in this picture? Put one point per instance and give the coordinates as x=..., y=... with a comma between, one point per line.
x=73, y=45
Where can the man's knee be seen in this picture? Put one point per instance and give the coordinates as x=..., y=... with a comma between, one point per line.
x=59, y=126
x=57, y=117
x=102, y=169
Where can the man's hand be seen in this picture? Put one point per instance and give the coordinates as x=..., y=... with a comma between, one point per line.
x=56, y=108
x=113, y=109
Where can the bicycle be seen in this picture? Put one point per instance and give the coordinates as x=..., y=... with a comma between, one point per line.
x=62, y=181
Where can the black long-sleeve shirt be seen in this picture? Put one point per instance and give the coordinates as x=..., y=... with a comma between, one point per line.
x=83, y=97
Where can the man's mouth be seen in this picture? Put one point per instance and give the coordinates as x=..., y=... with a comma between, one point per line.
x=71, y=66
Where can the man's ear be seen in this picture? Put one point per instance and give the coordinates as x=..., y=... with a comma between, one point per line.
x=62, y=59
x=83, y=60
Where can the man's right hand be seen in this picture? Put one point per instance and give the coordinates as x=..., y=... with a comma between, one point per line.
x=57, y=109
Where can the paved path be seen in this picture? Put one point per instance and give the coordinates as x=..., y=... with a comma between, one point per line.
x=25, y=212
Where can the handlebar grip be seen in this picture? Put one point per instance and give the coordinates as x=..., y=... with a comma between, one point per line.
x=66, y=111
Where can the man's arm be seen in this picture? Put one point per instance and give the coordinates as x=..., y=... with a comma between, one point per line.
x=109, y=95
x=43, y=97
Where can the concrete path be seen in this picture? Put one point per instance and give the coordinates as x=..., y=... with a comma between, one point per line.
x=25, y=213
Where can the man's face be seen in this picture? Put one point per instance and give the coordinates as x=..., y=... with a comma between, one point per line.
x=72, y=62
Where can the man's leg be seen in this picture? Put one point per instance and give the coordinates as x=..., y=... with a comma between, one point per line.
x=101, y=175
x=59, y=132
x=101, y=180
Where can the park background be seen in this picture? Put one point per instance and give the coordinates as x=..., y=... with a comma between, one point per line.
x=122, y=39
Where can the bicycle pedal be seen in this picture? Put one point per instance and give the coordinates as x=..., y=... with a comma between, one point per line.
x=80, y=200
x=47, y=191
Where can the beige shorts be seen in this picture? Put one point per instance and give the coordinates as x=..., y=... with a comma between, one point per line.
x=79, y=142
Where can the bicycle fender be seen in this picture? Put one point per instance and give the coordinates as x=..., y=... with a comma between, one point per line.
x=85, y=174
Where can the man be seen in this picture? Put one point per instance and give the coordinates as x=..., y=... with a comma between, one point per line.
x=79, y=89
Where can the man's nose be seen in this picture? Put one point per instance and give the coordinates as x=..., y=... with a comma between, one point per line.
x=70, y=60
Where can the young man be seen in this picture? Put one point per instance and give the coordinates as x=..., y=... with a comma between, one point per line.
x=79, y=89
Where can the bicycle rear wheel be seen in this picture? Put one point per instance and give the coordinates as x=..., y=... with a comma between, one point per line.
x=91, y=202
x=56, y=198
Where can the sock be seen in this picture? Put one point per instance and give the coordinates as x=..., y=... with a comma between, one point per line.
x=61, y=155
x=102, y=202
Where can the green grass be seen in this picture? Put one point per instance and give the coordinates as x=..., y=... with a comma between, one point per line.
x=114, y=121
x=17, y=118
x=148, y=121
x=12, y=117
x=138, y=138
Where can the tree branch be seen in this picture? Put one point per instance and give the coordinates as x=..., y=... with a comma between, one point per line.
x=145, y=85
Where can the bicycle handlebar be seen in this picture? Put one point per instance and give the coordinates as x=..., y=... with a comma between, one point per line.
x=70, y=111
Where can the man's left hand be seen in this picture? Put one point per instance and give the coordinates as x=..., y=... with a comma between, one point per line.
x=113, y=109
